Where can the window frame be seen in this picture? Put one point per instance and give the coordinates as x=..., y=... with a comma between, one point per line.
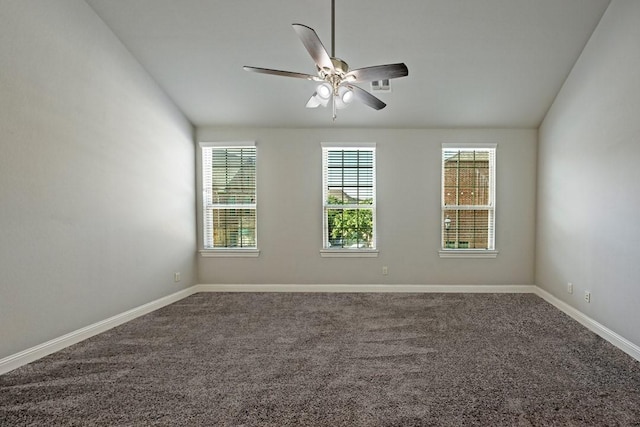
x=342, y=252
x=226, y=251
x=490, y=207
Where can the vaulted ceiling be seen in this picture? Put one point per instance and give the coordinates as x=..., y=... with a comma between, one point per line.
x=472, y=63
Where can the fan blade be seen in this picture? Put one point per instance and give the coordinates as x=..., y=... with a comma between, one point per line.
x=377, y=72
x=282, y=73
x=366, y=98
x=314, y=46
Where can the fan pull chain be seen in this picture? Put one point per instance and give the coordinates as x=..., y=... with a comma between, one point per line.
x=333, y=103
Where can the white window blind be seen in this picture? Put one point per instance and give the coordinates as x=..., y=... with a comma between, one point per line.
x=349, y=196
x=468, y=197
x=229, y=195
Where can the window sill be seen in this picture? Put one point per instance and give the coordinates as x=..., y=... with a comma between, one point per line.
x=229, y=253
x=468, y=253
x=349, y=253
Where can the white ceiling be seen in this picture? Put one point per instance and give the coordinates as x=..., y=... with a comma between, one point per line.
x=472, y=63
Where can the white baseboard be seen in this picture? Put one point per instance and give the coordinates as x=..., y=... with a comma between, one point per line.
x=513, y=289
x=617, y=340
x=34, y=353
x=31, y=354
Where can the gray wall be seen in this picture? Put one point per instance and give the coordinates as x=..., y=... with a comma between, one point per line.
x=96, y=176
x=588, y=206
x=408, y=214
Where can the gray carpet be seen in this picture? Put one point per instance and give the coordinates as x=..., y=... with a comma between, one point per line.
x=284, y=359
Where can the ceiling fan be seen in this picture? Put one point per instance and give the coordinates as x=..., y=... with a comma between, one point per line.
x=333, y=74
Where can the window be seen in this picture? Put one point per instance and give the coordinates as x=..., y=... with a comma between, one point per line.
x=229, y=195
x=349, y=197
x=468, y=197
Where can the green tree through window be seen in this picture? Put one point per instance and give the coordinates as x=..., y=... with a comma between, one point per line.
x=349, y=196
x=349, y=227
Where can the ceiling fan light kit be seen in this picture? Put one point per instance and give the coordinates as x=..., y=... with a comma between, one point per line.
x=324, y=90
x=336, y=81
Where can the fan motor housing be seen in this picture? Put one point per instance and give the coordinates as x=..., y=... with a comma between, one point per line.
x=341, y=67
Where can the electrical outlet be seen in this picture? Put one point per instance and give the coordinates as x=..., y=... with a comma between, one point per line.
x=587, y=296
x=176, y=277
x=385, y=270
x=570, y=287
